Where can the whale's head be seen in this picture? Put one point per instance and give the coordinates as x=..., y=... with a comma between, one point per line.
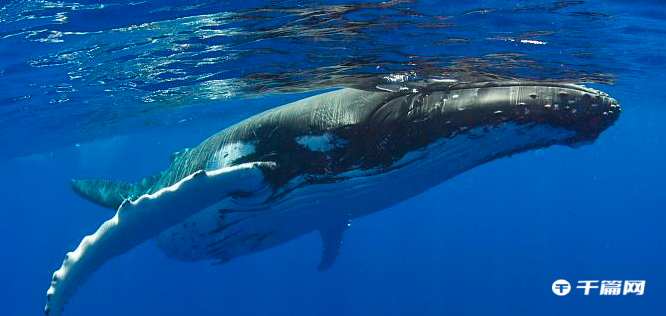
x=582, y=111
x=488, y=120
x=559, y=113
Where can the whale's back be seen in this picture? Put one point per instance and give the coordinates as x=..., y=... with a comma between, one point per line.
x=284, y=133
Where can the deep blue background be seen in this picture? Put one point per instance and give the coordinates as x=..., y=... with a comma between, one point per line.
x=490, y=240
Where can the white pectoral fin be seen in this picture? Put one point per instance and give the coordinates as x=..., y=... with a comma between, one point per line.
x=138, y=221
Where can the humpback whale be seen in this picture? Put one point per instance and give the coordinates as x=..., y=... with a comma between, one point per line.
x=317, y=163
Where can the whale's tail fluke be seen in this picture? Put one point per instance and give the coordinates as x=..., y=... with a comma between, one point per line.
x=111, y=194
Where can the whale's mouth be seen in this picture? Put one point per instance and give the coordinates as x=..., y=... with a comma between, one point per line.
x=602, y=114
x=588, y=132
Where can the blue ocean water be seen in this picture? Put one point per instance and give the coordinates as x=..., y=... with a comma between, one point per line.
x=101, y=89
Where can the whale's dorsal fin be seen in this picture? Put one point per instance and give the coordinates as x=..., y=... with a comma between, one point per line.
x=331, y=240
x=111, y=194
